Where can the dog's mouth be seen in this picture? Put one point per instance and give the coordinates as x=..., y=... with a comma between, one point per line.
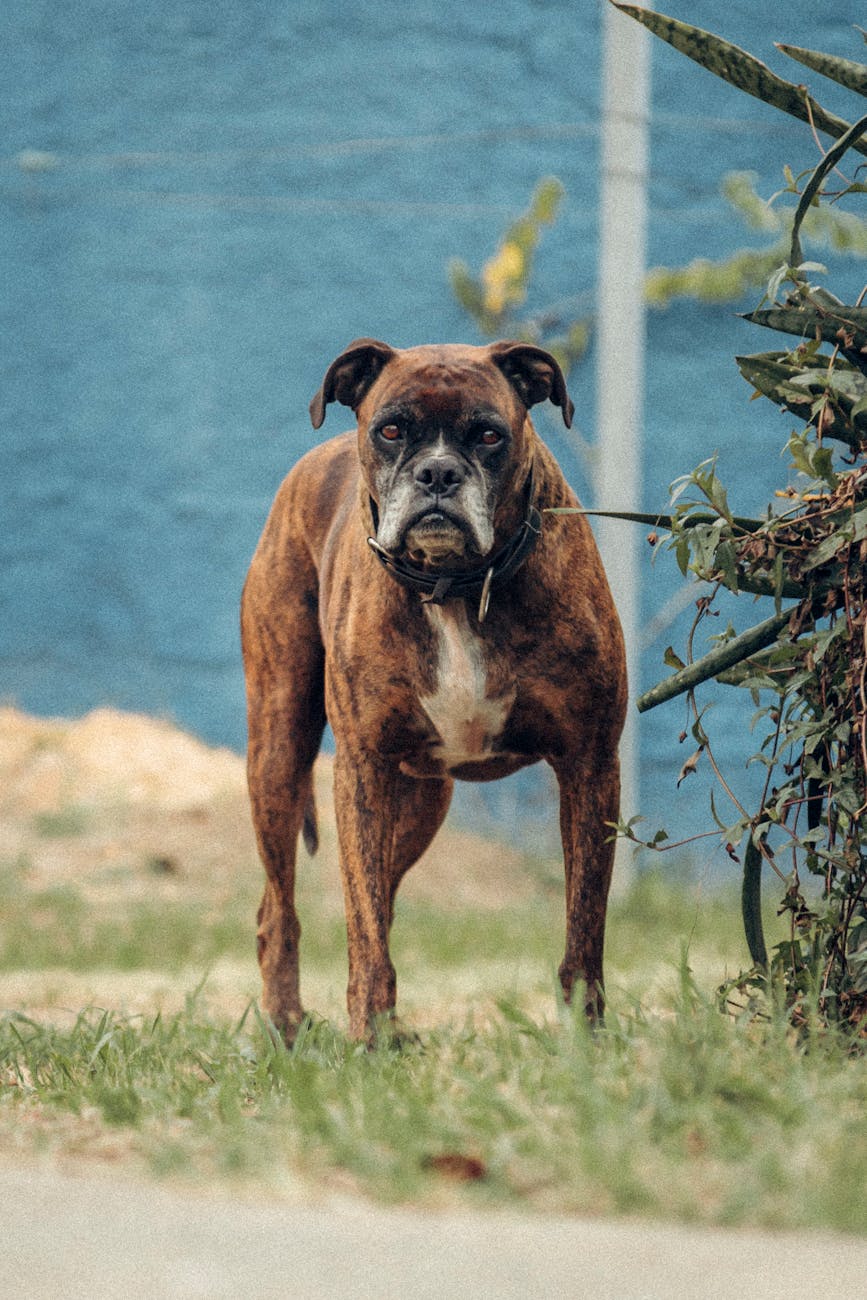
x=437, y=538
x=434, y=534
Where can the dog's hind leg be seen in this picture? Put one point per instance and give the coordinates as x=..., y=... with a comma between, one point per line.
x=423, y=806
x=589, y=802
x=385, y=820
x=286, y=718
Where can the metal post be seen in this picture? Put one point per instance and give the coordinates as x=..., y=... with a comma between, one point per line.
x=620, y=349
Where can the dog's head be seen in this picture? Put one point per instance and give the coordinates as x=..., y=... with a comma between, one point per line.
x=444, y=439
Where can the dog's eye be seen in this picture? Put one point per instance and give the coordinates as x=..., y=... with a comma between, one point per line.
x=391, y=432
x=490, y=438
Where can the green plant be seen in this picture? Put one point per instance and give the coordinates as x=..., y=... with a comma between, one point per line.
x=728, y=279
x=494, y=297
x=805, y=665
x=505, y=1100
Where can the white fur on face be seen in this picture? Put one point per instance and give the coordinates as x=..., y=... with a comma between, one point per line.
x=399, y=501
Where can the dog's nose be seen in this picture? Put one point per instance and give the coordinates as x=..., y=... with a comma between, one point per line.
x=440, y=476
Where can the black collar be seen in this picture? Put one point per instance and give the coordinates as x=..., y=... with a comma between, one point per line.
x=441, y=585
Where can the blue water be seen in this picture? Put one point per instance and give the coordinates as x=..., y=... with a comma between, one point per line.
x=224, y=195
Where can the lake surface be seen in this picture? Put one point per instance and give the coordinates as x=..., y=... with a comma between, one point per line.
x=201, y=203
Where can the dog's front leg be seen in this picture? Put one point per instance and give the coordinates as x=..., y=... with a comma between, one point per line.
x=365, y=802
x=589, y=800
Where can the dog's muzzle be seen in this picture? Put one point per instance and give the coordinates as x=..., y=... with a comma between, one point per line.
x=436, y=586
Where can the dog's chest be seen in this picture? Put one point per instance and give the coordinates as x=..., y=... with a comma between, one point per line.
x=468, y=711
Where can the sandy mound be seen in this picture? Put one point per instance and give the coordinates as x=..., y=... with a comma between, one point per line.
x=46, y=764
x=80, y=798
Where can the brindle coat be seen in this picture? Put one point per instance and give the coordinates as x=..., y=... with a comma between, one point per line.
x=419, y=695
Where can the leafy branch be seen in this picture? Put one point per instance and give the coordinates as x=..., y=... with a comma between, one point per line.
x=805, y=666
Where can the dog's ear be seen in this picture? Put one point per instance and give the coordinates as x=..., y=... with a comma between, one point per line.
x=534, y=374
x=350, y=376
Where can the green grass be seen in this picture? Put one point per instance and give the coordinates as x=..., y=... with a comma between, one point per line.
x=673, y=1110
x=72, y=820
x=59, y=927
x=689, y=1116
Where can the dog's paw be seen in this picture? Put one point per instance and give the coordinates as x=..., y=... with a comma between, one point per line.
x=387, y=1033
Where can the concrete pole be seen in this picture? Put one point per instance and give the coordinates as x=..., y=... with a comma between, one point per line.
x=620, y=350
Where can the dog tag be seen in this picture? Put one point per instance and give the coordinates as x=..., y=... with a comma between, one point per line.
x=485, y=600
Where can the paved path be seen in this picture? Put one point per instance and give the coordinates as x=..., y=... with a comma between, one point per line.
x=65, y=1238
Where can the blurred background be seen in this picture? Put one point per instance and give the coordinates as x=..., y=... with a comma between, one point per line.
x=202, y=202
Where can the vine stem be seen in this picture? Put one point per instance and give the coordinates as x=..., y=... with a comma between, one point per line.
x=675, y=844
x=716, y=661
x=863, y=719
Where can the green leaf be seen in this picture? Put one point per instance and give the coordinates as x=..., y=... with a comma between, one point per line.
x=465, y=287
x=846, y=72
x=826, y=550
x=720, y=823
x=796, y=388
x=546, y=200
x=846, y=325
x=846, y=384
x=823, y=463
x=720, y=498
x=771, y=373
x=659, y=519
x=853, y=530
x=739, y=190
x=775, y=283
x=724, y=281
x=779, y=580
x=740, y=69
x=751, y=904
x=849, y=140
x=629, y=516
x=798, y=447
x=725, y=561
x=672, y=660
x=705, y=541
x=814, y=268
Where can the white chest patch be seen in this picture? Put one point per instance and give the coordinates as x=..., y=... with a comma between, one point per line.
x=466, y=718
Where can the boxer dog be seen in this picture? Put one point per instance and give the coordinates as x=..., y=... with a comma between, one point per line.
x=410, y=589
